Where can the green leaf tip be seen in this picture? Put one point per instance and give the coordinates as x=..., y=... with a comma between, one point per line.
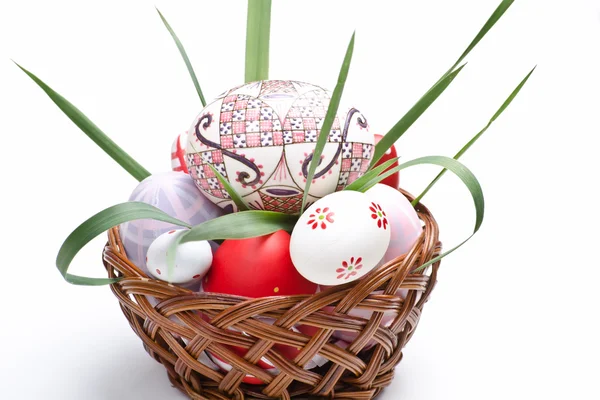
x=470, y=143
x=91, y=130
x=413, y=114
x=185, y=57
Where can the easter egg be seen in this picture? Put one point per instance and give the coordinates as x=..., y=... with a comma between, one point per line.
x=261, y=137
x=192, y=259
x=340, y=238
x=175, y=194
x=256, y=267
x=394, y=179
x=178, y=153
x=403, y=220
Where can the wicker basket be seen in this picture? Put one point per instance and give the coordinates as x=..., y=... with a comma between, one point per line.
x=349, y=374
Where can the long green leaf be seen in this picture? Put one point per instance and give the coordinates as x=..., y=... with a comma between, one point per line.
x=412, y=115
x=496, y=15
x=98, y=224
x=237, y=199
x=370, y=174
x=184, y=55
x=258, y=32
x=93, y=132
x=479, y=134
x=241, y=225
x=465, y=175
x=329, y=118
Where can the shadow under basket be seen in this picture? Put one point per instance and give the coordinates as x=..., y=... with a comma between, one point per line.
x=178, y=327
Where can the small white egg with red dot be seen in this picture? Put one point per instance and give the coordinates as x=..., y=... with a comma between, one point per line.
x=192, y=259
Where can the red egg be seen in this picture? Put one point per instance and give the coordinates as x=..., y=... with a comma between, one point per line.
x=394, y=179
x=256, y=267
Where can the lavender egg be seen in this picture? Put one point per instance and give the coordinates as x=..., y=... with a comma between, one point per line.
x=175, y=194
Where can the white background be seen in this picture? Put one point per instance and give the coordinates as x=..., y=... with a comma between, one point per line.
x=515, y=313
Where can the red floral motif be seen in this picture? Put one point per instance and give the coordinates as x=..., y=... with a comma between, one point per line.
x=379, y=215
x=320, y=217
x=349, y=268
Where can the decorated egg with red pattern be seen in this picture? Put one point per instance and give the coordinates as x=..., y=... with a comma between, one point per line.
x=261, y=137
x=256, y=267
x=178, y=153
x=340, y=238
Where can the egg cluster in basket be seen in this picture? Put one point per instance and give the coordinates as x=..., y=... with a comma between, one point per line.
x=260, y=138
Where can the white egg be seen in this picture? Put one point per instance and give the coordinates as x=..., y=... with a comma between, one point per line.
x=340, y=238
x=406, y=227
x=192, y=259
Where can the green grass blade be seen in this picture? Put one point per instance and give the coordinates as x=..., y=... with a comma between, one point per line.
x=371, y=174
x=465, y=175
x=241, y=225
x=329, y=118
x=412, y=115
x=93, y=132
x=466, y=147
x=258, y=32
x=496, y=15
x=405, y=123
x=237, y=199
x=184, y=55
x=99, y=223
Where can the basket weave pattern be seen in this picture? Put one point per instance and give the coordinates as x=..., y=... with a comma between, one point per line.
x=350, y=374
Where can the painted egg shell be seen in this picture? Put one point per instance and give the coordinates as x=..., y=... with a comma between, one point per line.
x=340, y=238
x=178, y=153
x=405, y=224
x=192, y=259
x=260, y=136
x=256, y=267
x=173, y=193
x=394, y=179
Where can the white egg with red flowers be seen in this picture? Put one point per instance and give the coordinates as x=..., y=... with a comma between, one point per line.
x=406, y=227
x=192, y=259
x=339, y=238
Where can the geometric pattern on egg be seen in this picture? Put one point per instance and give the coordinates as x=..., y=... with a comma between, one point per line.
x=192, y=259
x=340, y=238
x=261, y=137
